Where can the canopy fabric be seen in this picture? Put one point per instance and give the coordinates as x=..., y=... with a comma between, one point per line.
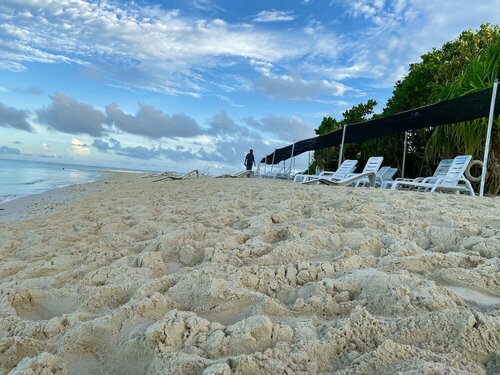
x=464, y=108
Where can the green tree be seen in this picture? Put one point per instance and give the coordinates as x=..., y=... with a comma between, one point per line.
x=464, y=65
x=469, y=137
x=328, y=158
x=428, y=81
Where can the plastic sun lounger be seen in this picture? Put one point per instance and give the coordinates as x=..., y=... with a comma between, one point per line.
x=346, y=168
x=369, y=172
x=167, y=173
x=371, y=176
x=383, y=174
x=451, y=181
x=194, y=171
x=441, y=170
x=235, y=175
x=385, y=177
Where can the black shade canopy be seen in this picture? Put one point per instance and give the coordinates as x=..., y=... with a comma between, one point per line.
x=464, y=108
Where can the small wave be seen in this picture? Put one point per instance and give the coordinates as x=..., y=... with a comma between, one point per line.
x=33, y=182
x=6, y=198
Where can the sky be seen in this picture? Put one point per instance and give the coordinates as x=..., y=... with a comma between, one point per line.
x=177, y=85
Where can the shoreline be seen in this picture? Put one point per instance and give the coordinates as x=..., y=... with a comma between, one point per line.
x=28, y=206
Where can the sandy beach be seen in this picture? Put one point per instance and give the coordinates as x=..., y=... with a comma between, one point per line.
x=249, y=276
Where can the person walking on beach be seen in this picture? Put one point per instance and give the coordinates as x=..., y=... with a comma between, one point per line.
x=249, y=163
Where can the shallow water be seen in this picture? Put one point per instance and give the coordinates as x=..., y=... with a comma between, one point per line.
x=20, y=178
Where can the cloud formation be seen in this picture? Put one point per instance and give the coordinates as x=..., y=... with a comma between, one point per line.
x=28, y=90
x=223, y=125
x=146, y=153
x=152, y=123
x=284, y=128
x=145, y=47
x=296, y=88
x=398, y=32
x=79, y=148
x=14, y=118
x=274, y=16
x=4, y=150
x=68, y=115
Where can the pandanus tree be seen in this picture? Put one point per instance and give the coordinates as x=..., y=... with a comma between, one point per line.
x=469, y=137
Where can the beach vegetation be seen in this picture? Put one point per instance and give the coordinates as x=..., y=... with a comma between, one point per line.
x=465, y=65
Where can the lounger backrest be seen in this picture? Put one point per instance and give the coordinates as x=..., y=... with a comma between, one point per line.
x=347, y=166
x=456, y=170
x=387, y=173
x=373, y=164
x=382, y=171
x=443, y=168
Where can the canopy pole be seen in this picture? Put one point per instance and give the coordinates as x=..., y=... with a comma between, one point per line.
x=272, y=164
x=341, y=154
x=292, y=165
x=404, y=156
x=309, y=162
x=265, y=166
x=488, y=138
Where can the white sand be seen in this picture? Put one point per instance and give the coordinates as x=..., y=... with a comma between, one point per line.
x=248, y=276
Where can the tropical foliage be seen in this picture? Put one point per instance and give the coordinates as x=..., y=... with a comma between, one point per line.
x=467, y=64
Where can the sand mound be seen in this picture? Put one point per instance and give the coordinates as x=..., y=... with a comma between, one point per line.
x=252, y=277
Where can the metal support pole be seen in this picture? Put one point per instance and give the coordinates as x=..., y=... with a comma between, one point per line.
x=309, y=162
x=292, y=165
x=488, y=138
x=265, y=166
x=272, y=163
x=341, y=154
x=404, y=156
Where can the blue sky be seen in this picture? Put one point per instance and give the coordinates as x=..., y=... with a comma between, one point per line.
x=180, y=84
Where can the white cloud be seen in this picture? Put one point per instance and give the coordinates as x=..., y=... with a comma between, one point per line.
x=286, y=129
x=398, y=32
x=274, y=16
x=293, y=87
x=78, y=148
x=146, y=47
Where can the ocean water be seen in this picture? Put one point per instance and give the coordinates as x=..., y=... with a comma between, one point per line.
x=20, y=178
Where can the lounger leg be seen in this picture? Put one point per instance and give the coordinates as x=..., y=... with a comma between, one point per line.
x=394, y=186
x=469, y=188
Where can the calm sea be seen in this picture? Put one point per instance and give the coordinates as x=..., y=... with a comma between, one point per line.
x=19, y=177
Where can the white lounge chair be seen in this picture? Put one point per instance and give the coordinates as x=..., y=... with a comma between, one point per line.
x=235, y=175
x=182, y=177
x=346, y=168
x=441, y=170
x=454, y=179
x=369, y=172
x=383, y=174
x=282, y=174
x=166, y=173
